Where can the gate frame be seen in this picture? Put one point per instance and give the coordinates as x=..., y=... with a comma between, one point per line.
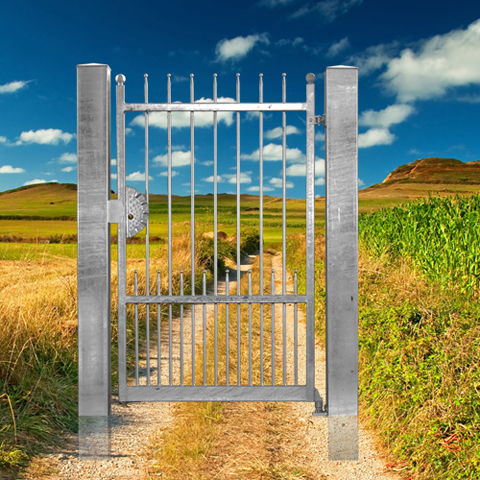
x=96, y=211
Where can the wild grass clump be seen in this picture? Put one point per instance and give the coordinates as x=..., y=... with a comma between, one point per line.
x=440, y=236
x=418, y=363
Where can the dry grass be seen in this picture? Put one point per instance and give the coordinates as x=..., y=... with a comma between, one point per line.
x=232, y=439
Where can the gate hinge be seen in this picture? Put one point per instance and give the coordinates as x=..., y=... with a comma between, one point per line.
x=319, y=120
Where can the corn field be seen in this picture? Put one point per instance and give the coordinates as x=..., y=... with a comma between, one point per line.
x=441, y=236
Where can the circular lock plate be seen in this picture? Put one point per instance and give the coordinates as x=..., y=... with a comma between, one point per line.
x=137, y=211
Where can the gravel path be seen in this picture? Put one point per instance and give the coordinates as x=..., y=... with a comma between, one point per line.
x=134, y=424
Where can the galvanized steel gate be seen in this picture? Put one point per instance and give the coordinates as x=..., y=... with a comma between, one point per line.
x=96, y=211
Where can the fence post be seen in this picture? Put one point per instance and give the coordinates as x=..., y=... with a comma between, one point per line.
x=341, y=211
x=93, y=256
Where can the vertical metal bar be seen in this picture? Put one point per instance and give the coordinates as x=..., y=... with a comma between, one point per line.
x=159, y=331
x=181, y=329
x=273, y=328
x=192, y=220
x=147, y=235
x=227, y=326
x=341, y=111
x=93, y=126
x=284, y=227
x=295, y=329
x=260, y=153
x=136, y=330
x=204, y=330
x=215, y=240
x=238, y=235
x=121, y=242
x=169, y=192
x=250, y=329
x=310, y=239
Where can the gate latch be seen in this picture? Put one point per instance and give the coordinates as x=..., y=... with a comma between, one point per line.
x=136, y=211
x=319, y=120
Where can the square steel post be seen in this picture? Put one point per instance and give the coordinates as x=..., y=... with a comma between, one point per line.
x=341, y=178
x=93, y=260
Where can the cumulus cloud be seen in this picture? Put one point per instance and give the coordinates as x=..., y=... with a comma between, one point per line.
x=37, y=180
x=338, y=47
x=231, y=178
x=179, y=159
x=165, y=174
x=68, y=158
x=320, y=136
x=273, y=152
x=373, y=58
x=10, y=169
x=300, y=169
x=320, y=181
x=256, y=188
x=182, y=119
x=68, y=169
x=277, y=131
x=50, y=136
x=328, y=9
x=375, y=136
x=441, y=63
x=277, y=183
x=3, y=139
x=137, y=177
x=386, y=117
x=12, y=87
x=238, y=47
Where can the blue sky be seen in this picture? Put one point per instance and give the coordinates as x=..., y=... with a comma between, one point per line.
x=419, y=82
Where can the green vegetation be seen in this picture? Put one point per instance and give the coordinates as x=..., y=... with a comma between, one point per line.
x=419, y=332
x=440, y=236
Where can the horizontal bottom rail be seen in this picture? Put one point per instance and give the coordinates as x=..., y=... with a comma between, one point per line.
x=200, y=299
x=207, y=393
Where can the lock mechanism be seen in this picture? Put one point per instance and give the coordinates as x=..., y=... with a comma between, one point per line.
x=136, y=211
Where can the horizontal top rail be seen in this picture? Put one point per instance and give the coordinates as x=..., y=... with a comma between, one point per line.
x=214, y=107
x=215, y=299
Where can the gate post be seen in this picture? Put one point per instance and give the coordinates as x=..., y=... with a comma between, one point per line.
x=93, y=260
x=341, y=212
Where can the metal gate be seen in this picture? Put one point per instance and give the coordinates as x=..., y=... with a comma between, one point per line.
x=96, y=211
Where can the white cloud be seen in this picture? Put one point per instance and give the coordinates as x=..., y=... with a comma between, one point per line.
x=238, y=47
x=386, y=117
x=179, y=78
x=441, y=63
x=137, y=177
x=113, y=176
x=273, y=152
x=277, y=183
x=338, y=47
x=113, y=161
x=10, y=169
x=129, y=131
x=179, y=159
x=207, y=163
x=329, y=9
x=300, y=169
x=12, y=87
x=283, y=41
x=373, y=58
x=231, y=178
x=51, y=136
x=320, y=136
x=68, y=158
x=320, y=181
x=3, y=139
x=375, y=136
x=182, y=119
x=165, y=174
x=277, y=131
x=256, y=188
x=361, y=183
x=68, y=169
x=34, y=182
